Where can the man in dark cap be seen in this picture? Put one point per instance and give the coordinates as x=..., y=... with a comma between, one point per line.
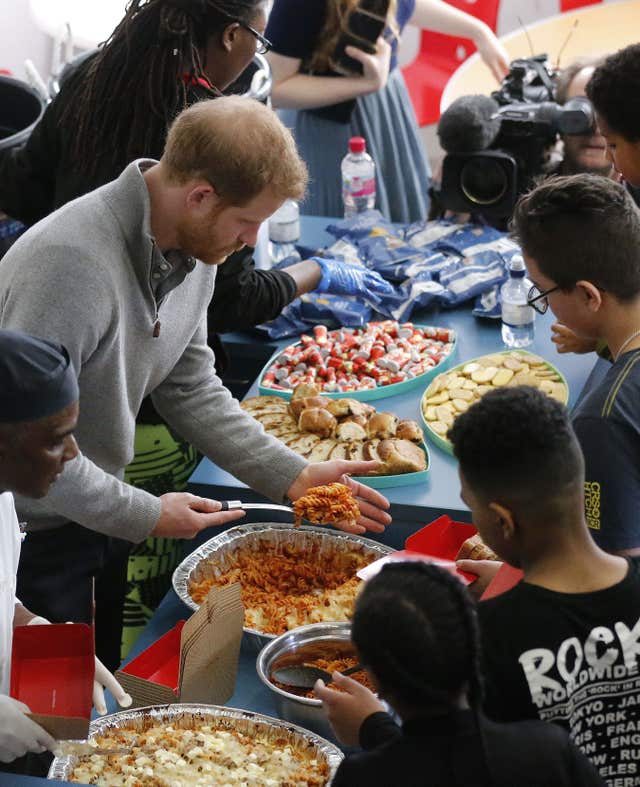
x=38, y=413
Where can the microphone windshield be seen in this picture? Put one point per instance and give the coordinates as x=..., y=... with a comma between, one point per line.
x=469, y=124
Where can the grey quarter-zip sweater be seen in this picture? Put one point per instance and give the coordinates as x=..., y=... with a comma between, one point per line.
x=134, y=322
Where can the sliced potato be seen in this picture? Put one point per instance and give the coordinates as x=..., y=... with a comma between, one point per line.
x=484, y=375
x=439, y=428
x=502, y=377
x=430, y=413
x=461, y=393
x=460, y=405
x=439, y=398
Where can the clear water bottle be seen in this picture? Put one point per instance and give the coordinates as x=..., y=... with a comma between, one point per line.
x=358, y=178
x=517, y=316
x=284, y=232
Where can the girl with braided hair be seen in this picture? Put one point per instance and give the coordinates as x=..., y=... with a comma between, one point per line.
x=415, y=629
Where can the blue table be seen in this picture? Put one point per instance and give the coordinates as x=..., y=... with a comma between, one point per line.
x=412, y=506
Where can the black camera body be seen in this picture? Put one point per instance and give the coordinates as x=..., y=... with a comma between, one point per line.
x=489, y=181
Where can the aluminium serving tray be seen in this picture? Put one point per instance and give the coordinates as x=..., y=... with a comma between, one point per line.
x=187, y=714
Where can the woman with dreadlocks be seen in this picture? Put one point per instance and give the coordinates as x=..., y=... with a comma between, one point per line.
x=415, y=630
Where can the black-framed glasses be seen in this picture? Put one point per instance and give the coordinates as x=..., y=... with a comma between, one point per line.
x=263, y=45
x=538, y=299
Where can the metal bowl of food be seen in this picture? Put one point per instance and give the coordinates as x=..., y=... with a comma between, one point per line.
x=164, y=742
x=324, y=645
x=289, y=576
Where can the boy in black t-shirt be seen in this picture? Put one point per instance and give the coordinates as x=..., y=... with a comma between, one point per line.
x=580, y=236
x=564, y=644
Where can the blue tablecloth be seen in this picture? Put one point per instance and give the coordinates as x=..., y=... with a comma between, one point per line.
x=412, y=506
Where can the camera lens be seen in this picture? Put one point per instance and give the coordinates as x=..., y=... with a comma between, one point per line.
x=483, y=181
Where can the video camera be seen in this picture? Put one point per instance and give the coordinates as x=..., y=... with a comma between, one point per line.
x=497, y=146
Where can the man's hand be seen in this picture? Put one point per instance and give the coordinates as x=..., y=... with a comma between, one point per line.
x=102, y=680
x=347, y=709
x=485, y=570
x=18, y=733
x=184, y=515
x=371, y=503
x=567, y=341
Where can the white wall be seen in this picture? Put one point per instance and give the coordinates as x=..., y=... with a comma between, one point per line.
x=20, y=39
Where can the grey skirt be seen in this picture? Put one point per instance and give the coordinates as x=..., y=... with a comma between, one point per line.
x=387, y=122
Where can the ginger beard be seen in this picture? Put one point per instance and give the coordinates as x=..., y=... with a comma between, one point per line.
x=206, y=239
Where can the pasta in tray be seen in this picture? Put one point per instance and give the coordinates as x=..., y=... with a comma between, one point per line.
x=289, y=586
x=207, y=754
x=328, y=504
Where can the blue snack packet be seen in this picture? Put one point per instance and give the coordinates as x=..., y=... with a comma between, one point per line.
x=334, y=310
x=415, y=293
x=369, y=222
x=488, y=304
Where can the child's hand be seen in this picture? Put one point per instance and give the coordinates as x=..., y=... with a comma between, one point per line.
x=485, y=570
x=568, y=342
x=346, y=710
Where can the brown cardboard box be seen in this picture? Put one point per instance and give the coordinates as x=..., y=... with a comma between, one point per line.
x=197, y=661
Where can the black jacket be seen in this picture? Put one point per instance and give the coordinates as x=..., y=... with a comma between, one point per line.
x=449, y=751
x=41, y=175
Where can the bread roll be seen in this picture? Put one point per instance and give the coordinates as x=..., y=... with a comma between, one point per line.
x=344, y=407
x=296, y=406
x=304, y=390
x=474, y=548
x=348, y=430
x=401, y=456
x=409, y=430
x=382, y=425
x=318, y=421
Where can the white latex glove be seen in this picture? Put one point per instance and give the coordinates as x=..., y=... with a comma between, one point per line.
x=18, y=733
x=102, y=680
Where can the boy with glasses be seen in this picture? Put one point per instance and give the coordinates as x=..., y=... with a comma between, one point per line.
x=580, y=237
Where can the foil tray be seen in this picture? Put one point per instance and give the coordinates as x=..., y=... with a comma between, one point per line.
x=186, y=715
x=223, y=545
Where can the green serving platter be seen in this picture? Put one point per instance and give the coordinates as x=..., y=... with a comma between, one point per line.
x=445, y=444
x=401, y=479
x=368, y=394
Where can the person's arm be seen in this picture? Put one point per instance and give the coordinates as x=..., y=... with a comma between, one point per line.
x=612, y=482
x=51, y=299
x=193, y=400
x=244, y=297
x=441, y=17
x=295, y=90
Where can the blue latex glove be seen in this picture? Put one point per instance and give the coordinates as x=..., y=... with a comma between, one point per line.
x=341, y=278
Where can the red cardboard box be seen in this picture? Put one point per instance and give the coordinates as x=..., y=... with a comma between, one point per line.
x=437, y=543
x=196, y=661
x=52, y=670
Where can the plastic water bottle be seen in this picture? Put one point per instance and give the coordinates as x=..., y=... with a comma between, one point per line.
x=284, y=232
x=358, y=178
x=517, y=316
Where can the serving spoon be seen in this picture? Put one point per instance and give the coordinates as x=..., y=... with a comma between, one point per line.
x=304, y=676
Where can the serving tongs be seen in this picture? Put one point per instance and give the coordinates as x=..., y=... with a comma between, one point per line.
x=235, y=505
